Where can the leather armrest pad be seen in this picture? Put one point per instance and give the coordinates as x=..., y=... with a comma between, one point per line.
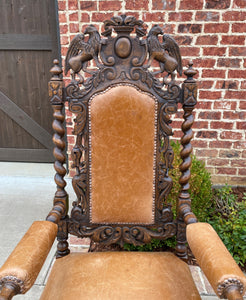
x=212, y=255
x=26, y=261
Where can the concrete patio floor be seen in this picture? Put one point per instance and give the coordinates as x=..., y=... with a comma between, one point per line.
x=26, y=193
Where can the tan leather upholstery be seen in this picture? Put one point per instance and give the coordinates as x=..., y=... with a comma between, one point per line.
x=122, y=156
x=212, y=255
x=120, y=275
x=27, y=259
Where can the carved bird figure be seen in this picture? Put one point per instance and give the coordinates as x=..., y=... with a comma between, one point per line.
x=80, y=52
x=167, y=53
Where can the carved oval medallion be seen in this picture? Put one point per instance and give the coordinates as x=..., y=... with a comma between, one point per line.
x=123, y=47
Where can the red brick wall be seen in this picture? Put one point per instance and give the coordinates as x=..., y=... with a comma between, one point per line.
x=212, y=33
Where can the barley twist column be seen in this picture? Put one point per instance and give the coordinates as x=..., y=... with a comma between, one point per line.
x=58, y=214
x=185, y=215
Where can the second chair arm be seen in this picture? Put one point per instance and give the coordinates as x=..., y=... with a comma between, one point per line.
x=223, y=273
x=22, y=267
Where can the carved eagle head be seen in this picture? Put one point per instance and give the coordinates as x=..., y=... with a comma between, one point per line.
x=155, y=30
x=90, y=29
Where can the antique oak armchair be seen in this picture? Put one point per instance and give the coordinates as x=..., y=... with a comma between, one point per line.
x=122, y=158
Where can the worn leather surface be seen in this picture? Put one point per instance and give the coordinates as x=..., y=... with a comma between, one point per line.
x=28, y=257
x=120, y=275
x=212, y=255
x=122, y=156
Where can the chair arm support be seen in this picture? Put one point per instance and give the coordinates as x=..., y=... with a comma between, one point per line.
x=226, y=278
x=21, y=269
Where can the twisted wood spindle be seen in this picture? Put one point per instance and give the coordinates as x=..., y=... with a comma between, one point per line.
x=185, y=215
x=58, y=214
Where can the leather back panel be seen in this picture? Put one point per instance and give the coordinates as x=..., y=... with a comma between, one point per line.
x=122, y=156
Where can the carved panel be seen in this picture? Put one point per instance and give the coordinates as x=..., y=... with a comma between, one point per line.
x=123, y=55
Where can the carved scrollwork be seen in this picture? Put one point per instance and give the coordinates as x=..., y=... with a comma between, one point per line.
x=120, y=60
x=136, y=235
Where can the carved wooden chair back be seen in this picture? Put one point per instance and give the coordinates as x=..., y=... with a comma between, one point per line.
x=122, y=155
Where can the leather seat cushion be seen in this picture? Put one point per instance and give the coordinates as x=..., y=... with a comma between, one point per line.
x=120, y=275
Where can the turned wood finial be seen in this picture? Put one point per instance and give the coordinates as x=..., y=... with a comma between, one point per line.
x=56, y=70
x=190, y=72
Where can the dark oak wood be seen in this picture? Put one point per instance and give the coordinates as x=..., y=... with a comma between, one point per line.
x=25, y=115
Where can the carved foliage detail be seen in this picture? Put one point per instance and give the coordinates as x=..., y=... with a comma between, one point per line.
x=136, y=235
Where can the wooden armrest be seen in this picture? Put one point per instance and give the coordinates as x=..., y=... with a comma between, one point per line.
x=221, y=270
x=21, y=269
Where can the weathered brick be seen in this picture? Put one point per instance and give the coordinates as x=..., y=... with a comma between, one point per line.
x=244, y=154
x=239, y=27
x=216, y=28
x=88, y=5
x=242, y=171
x=206, y=73
x=73, y=4
x=217, y=4
x=210, y=115
x=237, y=51
x=204, y=104
x=231, y=135
x=164, y=4
x=62, y=5
x=238, y=163
x=74, y=27
x=199, y=144
x=64, y=40
x=229, y=153
x=225, y=105
x=221, y=125
x=137, y=4
x=239, y=145
x=229, y=171
x=229, y=62
x=74, y=17
x=234, y=16
x=109, y=5
x=100, y=17
x=180, y=16
x=233, y=115
x=242, y=104
x=237, y=74
x=62, y=18
x=205, y=84
x=218, y=162
x=189, y=51
x=190, y=28
x=63, y=29
x=84, y=17
x=220, y=144
x=168, y=28
x=235, y=95
x=227, y=84
x=214, y=51
x=207, y=16
x=207, y=153
x=232, y=40
x=184, y=40
x=209, y=95
x=193, y=5
x=200, y=124
x=239, y=4
x=241, y=125
x=155, y=17
x=243, y=85
x=207, y=40
x=207, y=134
